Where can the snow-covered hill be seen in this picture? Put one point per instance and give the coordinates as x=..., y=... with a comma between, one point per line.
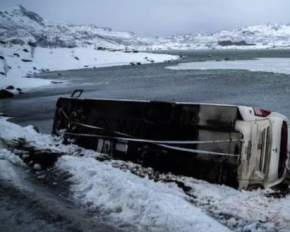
x=252, y=37
x=19, y=25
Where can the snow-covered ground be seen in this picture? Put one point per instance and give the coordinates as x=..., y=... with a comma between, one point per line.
x=56, y=59
x=126, y=199
x=275, y=65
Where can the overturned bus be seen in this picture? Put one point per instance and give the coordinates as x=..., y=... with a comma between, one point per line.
x=237, y=146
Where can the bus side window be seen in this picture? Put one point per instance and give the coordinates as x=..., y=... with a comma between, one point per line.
x=262, y=154
x=283, y=149
x=267, y=151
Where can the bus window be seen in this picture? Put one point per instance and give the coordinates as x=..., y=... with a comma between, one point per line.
x=263, y=148
x=267, y=150
x=283, y=149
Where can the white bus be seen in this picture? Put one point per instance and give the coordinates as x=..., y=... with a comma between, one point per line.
x=240, y=146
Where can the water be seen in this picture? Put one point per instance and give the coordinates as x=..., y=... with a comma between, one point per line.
x=155, y=82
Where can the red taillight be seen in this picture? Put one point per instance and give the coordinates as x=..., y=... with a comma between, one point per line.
x=261, y=112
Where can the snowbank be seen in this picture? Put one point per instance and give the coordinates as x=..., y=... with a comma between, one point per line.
x=124, y=198
x=245, y=210
x=10, y=131
x=10, y=157
x=275, y=65
x=9, y=164
x=8, y=160
x=23, y=64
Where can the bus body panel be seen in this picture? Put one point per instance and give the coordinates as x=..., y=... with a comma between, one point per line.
x=246, y=153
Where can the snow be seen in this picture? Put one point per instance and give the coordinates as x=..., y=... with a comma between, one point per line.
x=244, y=208
x=10, y=131
x=275, y=65
x=145, y=205
x=257, y=37
x=56, y=59
x=10, y=157
x=8, y=172
x=8, y=164
x=127, y=198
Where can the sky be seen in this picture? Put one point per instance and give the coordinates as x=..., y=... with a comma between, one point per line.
x=160, y=17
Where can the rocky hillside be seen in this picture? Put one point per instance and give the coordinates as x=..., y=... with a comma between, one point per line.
x=256, y=37
x=18, y=26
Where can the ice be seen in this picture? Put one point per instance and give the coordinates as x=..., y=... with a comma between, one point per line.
x=275, y=65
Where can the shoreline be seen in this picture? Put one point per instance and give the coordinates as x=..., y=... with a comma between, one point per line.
x=20, y=63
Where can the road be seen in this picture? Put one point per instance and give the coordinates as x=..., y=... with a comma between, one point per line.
x=33, y=206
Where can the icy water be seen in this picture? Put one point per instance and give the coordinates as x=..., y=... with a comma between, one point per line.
x=154, y=82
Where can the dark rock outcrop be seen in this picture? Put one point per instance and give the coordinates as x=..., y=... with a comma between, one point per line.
x=33, y=16
x=56, y=82
x=5, y=94
x=32, y=44
x=17, y=41
x=231, y=43
x=10, y=87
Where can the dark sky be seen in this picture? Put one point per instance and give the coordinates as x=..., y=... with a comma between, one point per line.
x=160, y=17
